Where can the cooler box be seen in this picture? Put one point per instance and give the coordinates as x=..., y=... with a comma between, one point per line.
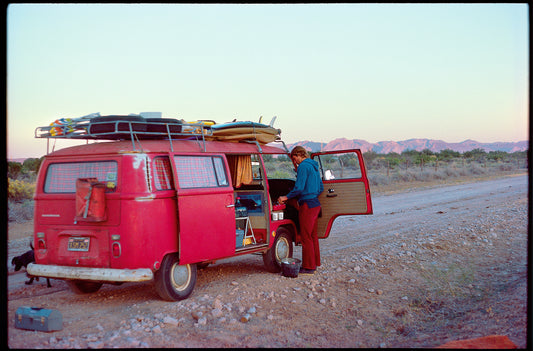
x=36, y=318
x=240, y=238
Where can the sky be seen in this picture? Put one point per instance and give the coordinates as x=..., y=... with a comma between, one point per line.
x=374, y=72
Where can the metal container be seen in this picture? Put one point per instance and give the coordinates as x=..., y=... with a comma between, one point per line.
x=40, y=319
x=290, y=267
x=239, y=238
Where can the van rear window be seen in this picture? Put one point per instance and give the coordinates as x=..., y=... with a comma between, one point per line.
x=61, y=177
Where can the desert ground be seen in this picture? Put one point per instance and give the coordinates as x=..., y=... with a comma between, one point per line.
x=431, y=265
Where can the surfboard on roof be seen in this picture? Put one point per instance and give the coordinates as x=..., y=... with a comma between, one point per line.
x=245, y=130
x=116, y=127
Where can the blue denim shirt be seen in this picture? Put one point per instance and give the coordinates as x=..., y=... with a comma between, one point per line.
x=308, y=184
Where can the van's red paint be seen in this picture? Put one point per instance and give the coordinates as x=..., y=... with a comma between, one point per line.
x=144, y=223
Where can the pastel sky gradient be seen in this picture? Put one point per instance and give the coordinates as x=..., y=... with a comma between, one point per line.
x=375, y=72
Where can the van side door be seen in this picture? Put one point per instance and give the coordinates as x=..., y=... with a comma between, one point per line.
x=206, y=211
x=346, y=187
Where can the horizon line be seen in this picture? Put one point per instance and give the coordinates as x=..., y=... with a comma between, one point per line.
x=8, y=158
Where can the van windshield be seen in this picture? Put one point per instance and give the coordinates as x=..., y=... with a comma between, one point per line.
x=61, y=177
x=279, y=166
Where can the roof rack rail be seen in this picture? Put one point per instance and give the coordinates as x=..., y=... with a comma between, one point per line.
x=136, y=128
x=283, y=143
x=127, y=130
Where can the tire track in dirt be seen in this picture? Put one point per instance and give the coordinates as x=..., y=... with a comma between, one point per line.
x=404, y=212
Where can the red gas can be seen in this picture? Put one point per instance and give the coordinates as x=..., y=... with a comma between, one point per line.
x=90, y=200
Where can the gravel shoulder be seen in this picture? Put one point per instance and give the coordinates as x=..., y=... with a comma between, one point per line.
x=429, y=266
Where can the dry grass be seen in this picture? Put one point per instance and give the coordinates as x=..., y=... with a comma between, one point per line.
x=400, y=186
x=20, y=211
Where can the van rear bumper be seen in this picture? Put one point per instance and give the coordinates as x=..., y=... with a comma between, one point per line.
x=89, y=273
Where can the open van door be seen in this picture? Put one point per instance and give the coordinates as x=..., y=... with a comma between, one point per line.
x=346, y=188
x=205, y=208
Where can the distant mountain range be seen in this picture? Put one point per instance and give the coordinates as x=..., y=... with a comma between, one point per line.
x=384, y=147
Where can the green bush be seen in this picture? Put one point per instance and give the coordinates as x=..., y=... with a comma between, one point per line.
x=32, y=164
x=19, y=190
x=13, y=169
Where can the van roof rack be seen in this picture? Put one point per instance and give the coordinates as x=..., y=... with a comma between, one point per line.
x=126, y=130
x=132, y=127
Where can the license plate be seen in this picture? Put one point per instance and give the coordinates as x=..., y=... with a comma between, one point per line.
x=78, y=244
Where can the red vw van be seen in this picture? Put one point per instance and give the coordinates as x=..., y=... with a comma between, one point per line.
x=153, y=204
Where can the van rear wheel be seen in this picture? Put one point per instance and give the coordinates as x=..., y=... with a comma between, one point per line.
x=174, y=282
x=281, y=249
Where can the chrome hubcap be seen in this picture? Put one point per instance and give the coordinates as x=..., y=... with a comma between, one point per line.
x=181, y=276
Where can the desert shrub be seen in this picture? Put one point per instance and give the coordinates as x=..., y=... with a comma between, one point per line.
x=477, y=169
x=428, y=175
x=406, y=176
x=448, y=154
x=451, y=172
x=13, y=169
x=475, y=155
x=378, y=179
x=32, y=164
x=462, y=171
x=28, y=177
x=18, y=190
x=504, y=167
x=449, y=281
x=20, y=211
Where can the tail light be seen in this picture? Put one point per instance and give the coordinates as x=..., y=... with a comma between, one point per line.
x=117, y=249
x=41, y=244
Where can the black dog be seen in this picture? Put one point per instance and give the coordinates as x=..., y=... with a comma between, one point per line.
x=23, y=261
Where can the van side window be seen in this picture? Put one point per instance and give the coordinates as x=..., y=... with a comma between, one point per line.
x=220, y=172
x=61, y=177
x=339, y=166
x=200, y=171
x=162, y=174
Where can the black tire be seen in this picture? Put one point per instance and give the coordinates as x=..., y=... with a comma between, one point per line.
x=282, y=248
x=123, y=125
x=174, y=282
x=84, y=286
x=161, y=128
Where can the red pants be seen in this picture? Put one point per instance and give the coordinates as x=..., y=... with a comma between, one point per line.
x=308, y=224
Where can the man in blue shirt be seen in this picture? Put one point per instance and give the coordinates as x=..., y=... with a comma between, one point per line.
x=306, y=190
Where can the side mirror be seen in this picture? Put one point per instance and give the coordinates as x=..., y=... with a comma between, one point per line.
x=328, y=175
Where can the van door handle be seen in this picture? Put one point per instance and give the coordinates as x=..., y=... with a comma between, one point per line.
x=230, y=206
x=331, y=193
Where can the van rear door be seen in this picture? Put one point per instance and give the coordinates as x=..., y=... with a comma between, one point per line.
x=346, y=187
x=205, y=208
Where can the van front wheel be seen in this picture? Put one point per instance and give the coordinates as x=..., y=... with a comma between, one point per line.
x=174, y=282
x=281, y=249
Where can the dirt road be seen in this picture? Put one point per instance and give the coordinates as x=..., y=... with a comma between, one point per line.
x=429, y=266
